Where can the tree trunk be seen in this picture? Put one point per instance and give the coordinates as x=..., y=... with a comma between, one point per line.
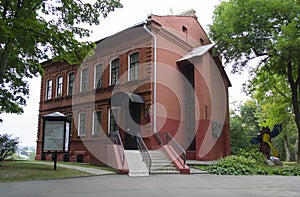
x=287, y=148
x=295, y=87
x=3, y=62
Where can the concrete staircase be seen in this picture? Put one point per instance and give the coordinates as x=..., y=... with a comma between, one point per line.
x=161, y=163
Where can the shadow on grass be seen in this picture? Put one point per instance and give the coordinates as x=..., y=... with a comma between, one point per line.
x=22, y=171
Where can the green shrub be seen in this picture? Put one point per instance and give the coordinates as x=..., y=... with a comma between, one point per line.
x=244, y=163
x=233, y=165
x=251, y=163
x=253, y=154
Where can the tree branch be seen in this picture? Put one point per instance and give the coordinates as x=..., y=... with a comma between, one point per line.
x=280, y=92
x=5, y=8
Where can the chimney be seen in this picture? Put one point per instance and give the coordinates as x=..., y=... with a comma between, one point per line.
x=190, y=12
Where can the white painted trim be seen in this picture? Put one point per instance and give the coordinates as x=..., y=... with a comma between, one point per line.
x=47, y=86
x=93, y=122
x=78, y=130
x=154, y=77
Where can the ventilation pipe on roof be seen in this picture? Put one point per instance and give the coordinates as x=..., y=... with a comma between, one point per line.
x=154, y=77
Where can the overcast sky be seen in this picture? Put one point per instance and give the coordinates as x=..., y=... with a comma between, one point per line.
x=134, y=11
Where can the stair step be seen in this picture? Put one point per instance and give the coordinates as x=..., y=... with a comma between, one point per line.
x=163, y=169
x=161, y=163
x=164, y=172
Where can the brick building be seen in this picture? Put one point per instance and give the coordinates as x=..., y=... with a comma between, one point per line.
x=159, y=76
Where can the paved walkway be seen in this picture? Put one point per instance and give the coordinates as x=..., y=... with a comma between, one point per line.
x=80, y=168
x=157, y=185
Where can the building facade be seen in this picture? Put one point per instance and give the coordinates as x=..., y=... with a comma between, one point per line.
x=156, y=77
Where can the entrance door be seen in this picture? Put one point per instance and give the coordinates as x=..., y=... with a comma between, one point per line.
x=133, y=126
x=188, y=72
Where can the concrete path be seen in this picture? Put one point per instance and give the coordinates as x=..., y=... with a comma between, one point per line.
x=135, y=163
x=197, y=171
x=158, y=185
x=80, y=168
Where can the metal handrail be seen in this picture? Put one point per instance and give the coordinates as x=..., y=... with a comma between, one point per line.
x=158, y=139
x=144, y=151
x=176, y=146
x=118, y=141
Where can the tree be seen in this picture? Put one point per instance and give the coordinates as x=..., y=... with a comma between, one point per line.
x=265, y=29
x=243, y=126
x=37, y=30
x=8, y=146
x=273, y=96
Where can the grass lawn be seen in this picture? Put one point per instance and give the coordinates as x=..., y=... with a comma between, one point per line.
x=22, y=171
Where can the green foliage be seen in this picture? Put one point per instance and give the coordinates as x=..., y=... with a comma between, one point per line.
x=269, y=32
x=273, y=96
x=8, y=146
x=244, y=163
x=243, y=126
x=250, y=163
x=36, y=30
x=234, y=165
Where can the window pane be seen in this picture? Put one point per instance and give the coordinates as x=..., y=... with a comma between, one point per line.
x=71, y=78
x=113, y=121
x=84, y=80
x=82, y=124
x=134, y=62
x=115, y=71
x=98, y=76
x=49, y=90
x=59, y=86
x=97, y=122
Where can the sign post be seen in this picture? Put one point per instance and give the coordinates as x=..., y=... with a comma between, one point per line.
x=56, y=134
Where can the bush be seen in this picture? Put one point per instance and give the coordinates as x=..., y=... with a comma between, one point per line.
x=244, y=163
x=250, y=163
x=253, y=154
x=233, y=165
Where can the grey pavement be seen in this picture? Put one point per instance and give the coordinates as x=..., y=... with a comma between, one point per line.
x=157, y=185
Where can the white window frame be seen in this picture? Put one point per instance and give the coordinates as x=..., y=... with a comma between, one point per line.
x=57, y=86
x=95, y=76
x=109, y=113
x=129, y=67
x=110, y=72
x=81, y=84
x=47, y=89
x=68, y=84
x=93, y=129
x=79, y=125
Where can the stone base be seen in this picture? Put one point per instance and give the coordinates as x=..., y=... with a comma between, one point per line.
x=274, y=161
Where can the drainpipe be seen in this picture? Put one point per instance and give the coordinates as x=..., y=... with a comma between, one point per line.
x=154, y=77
